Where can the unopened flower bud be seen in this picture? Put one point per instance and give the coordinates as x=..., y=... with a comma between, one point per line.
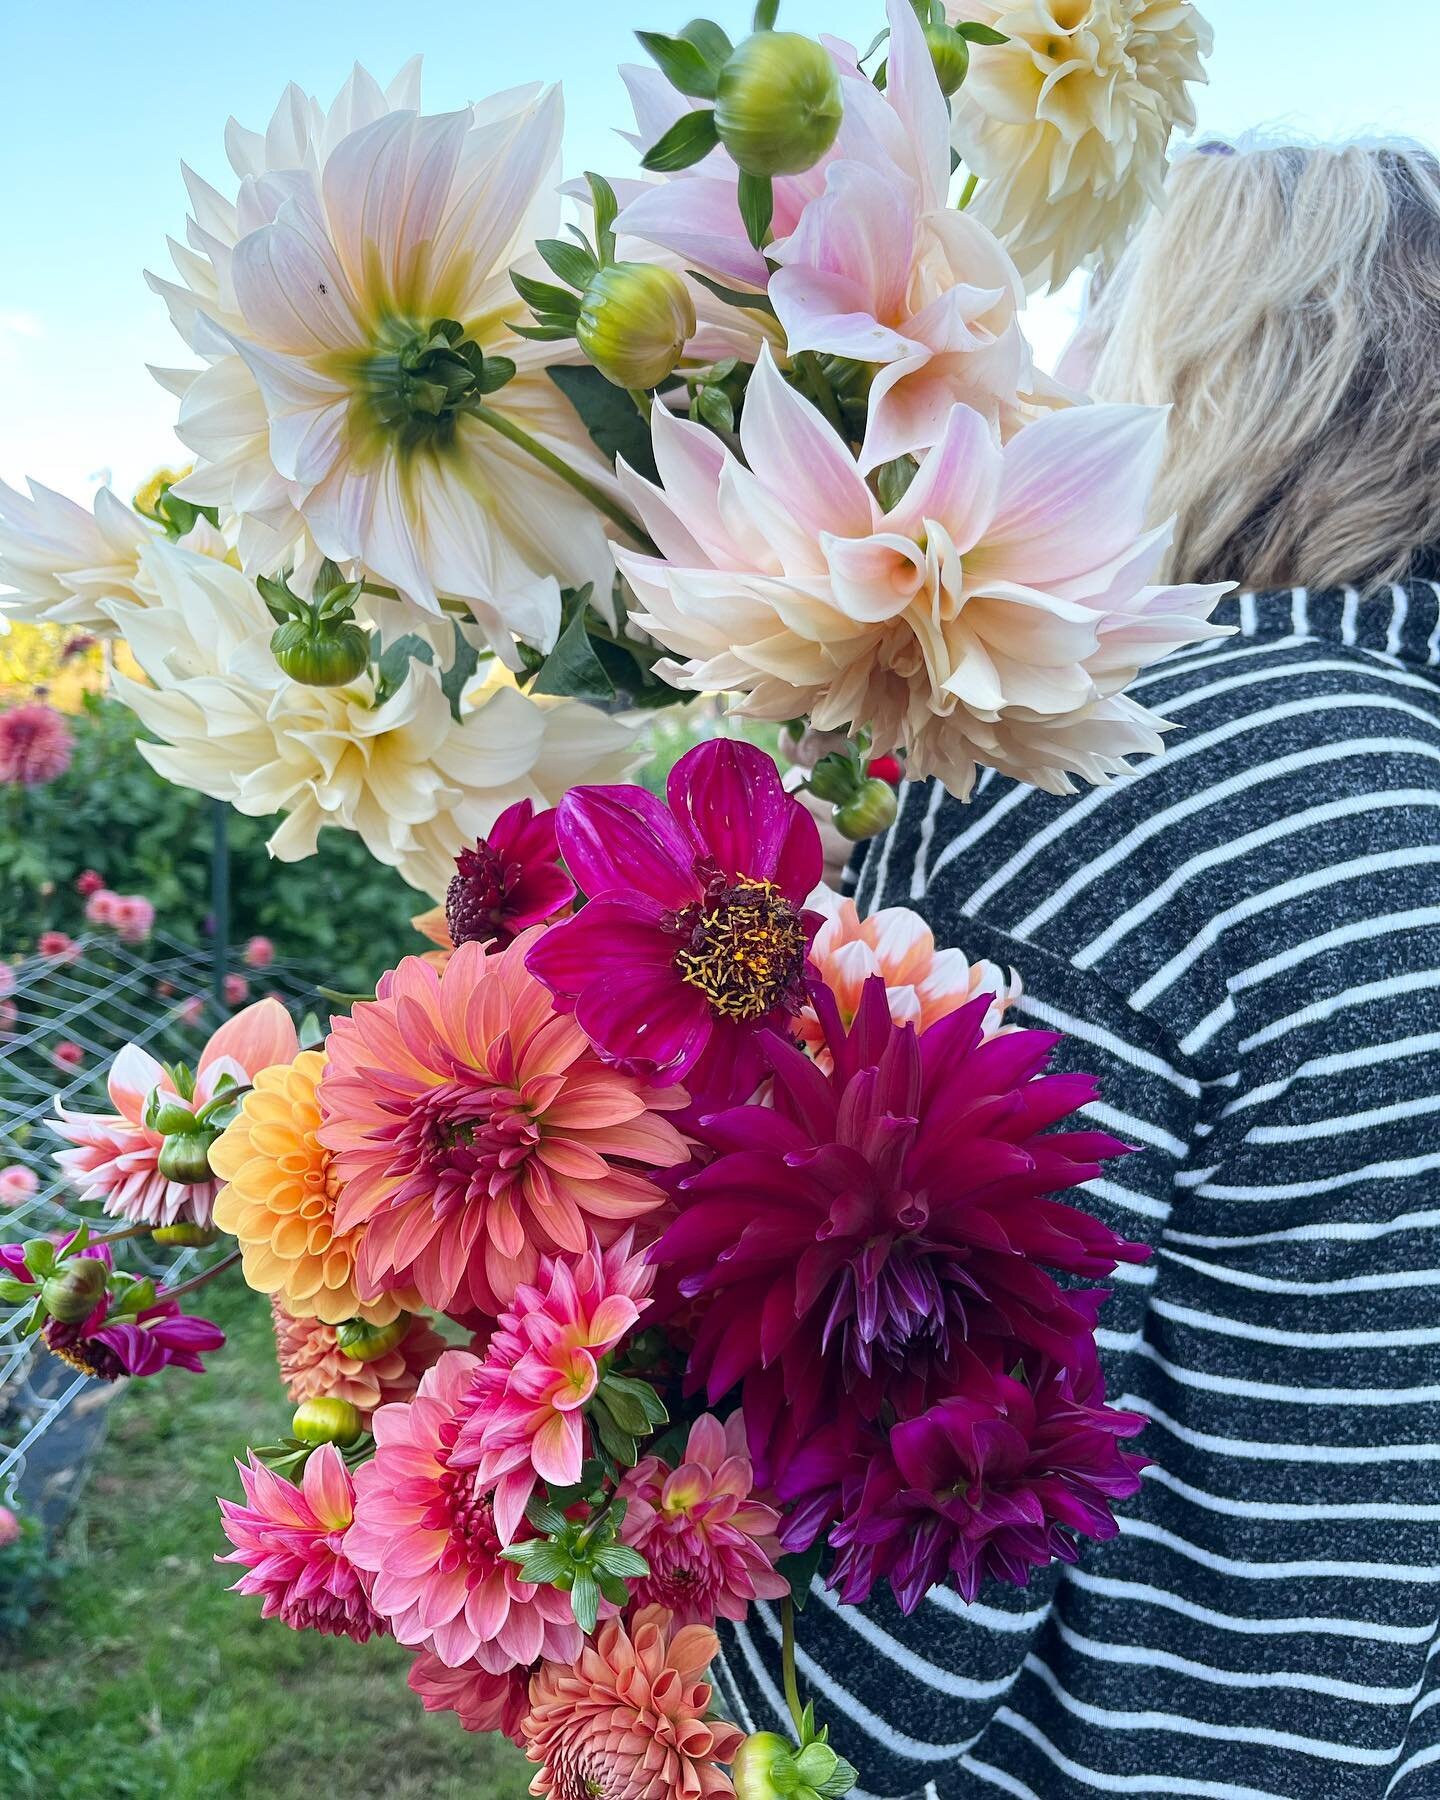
x=778, y=104
x=635, y=321
x=75, y=1289
x=951, y=56
x=329, y=653
x=187, y=1235
x=363, y=1342
x=870, y=812
x=762, y=1764
x=836, y=777
x=170, y=1118
x=327, y=1421
x=186, y=1158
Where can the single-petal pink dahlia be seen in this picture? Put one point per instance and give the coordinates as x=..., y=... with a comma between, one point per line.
x=35, y=746
x=631, y=1720
x=694, y=937
x=289, y=1541
x=481, y=1701
x=312, y=1364
x=847, y=1239
x=711, y=1547
x=474, y=1130
x=510, y=881
x=431, y=1541
x=524, y=1418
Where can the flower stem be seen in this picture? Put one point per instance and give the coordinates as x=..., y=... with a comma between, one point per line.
x=818, y=388
x=198, y=1281
x=557, y=465
x=119, y=1237
x=967, y=193
x=643, y=404
x=787, y=1666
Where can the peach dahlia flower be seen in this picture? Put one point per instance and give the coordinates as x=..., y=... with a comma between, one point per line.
x=314, y=1367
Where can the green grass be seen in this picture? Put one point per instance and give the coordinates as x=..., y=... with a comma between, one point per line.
x=145, y=1680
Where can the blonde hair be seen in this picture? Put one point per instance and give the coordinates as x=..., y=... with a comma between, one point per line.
x=1286, y=304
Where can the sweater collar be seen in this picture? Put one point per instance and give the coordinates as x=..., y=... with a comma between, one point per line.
x=1400, y=621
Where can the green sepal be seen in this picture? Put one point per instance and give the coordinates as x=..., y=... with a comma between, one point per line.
x=544, y=298
x=766, y=13
x=573, y=263
x=713, y=407
x=981, y=34
x=546, y=1518
x=710, y=39
x=15, y=1293
x=585, y=1600
x=692, y=137
x=756, y=194
x=760, y=303
x=606, y=208
x=682, y=62
x=621, y=1560
x=40, y=1257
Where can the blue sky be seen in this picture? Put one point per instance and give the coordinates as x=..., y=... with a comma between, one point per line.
x=99, y=103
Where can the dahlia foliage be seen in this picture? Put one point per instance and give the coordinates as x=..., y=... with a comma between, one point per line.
x=668, y=1235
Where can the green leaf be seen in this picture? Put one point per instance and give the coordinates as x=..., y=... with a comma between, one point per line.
x=40, y=1257
x=612, y=1587
x=569, y=261
x=585, y=1601
x=710, y=40
x=609, y=415
x=875, y=43
x=639, y=1394
x=800, y=1571
x=714, y=407
x=620, y=1559
x=734, y=296
x=547, y=1519
x=312, y=1032
x=572, y=667
x=458, y=676
x=544, y=1564
x=394, y=665
x=766, y=13
x=624, y=1409
x=544, y=298
x=982, y=34
x=617, y=1442
x=756, y=194
x=691, y=137
x=892, y=480
x=682, y=62
x=605, y=207
x=282, y=604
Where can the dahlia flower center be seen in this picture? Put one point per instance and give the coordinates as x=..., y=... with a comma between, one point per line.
x=418, y=381
x=475, y=903
x=465, y=1141
x=470, y=1520
x=743, y=948
x=88, y=1355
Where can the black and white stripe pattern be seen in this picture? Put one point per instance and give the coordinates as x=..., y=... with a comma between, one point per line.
x=1243, y=941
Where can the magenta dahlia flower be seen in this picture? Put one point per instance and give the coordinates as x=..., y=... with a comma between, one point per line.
x=710, y=1544
x=510, y=881
x=695, y=936
x=35, y=746
x=846, y=1240
x=481, y=1701
x=289, y=1541
x=431, y=1541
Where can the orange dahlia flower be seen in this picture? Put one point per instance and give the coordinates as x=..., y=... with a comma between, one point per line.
x=630, y=1720
x=474, y=1129
x=312, y=1364
x=279, y=1201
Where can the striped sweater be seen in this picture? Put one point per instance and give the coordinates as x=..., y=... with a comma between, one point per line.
x=1243, y=942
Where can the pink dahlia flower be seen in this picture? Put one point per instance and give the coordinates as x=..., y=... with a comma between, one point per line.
x=67, y=1056
x=431, y=1541
x=848, y=1239
x=57, y=946
x=7, y=979
x=711, y=1547
x=481, y=1701
x=922, y=983
x=134, y=917
x=289, y=1541
x=88, y=882
x=9, y=1528
x=510, y=881
x=237, y=990
x=17, y=1184
x=474, y=1130
x=632, y=1719
x=115, y=1157
x=258, y=953
x=100, y=907
x=524, y=1416
x=35, y=746
x=9, y=1017
x=694, y=937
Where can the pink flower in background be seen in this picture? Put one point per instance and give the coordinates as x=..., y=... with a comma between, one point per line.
x=510, y=881
x=711, y=1547
x=88, y=882
x=431, y=1542
x=694, y=937
x=289, y=1541
x=9, y=1014
x=134, y=917
x=36, y=745
x=17, y=1184
x=7, y=979
x=100, y=906
x=56, y=946
x=191, y=1010
x=481, y=1701
x=114, y=1159
x=9, y=1528
x=474, y=1130
x=237, y=990
x=67, y=1056
x=523, y=1418
x=259, y=953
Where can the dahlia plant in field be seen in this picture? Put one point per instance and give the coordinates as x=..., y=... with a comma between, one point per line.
x=668, y=1237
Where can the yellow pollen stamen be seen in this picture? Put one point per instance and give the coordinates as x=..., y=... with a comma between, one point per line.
x=746, y=950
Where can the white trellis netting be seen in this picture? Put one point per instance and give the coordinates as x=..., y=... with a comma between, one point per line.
x=97, y=998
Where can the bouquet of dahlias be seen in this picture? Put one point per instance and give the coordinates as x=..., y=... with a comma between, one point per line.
x=667, y=1238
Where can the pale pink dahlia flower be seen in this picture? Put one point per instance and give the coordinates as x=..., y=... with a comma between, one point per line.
x=710, y=1546
x=431, y=1541
x=474, y=1130
x=35, y=746
x=994, y=615
x=922, y=983
x=524, y=1415
x=289, y=1542
x=481, y=1701
x=17, y=1184
x=115, y=1156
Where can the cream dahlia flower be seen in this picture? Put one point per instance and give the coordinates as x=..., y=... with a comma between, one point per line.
x=1067, y=123
x=364, y=248
x=993, y=616
x=414, y=782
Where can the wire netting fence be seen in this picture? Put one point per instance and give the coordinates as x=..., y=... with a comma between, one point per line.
x=60, y=1028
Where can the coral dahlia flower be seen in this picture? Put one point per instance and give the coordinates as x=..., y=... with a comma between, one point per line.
x=631, y=1720
x=474, y=1129
x=35, y=745
x=848, y=1239
x=289, y=1541
x=922, y=983
x=431, y=1541
x=525, y=1418
x=511, y=880
x=481, y=1701
x=695, y=936
x=994, y=615
x=314, y=1367
x=710, y=1545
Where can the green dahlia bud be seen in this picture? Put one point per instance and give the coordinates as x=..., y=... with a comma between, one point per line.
x=186, y=1157
x=187, y=1236
x=870, y=812
x=836, y=777
x=327, y=653
x=75, y=1289
x=364, y=1342
x=951, y=56
x=327, y=1421
x=778, y=104
x=635, y=321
